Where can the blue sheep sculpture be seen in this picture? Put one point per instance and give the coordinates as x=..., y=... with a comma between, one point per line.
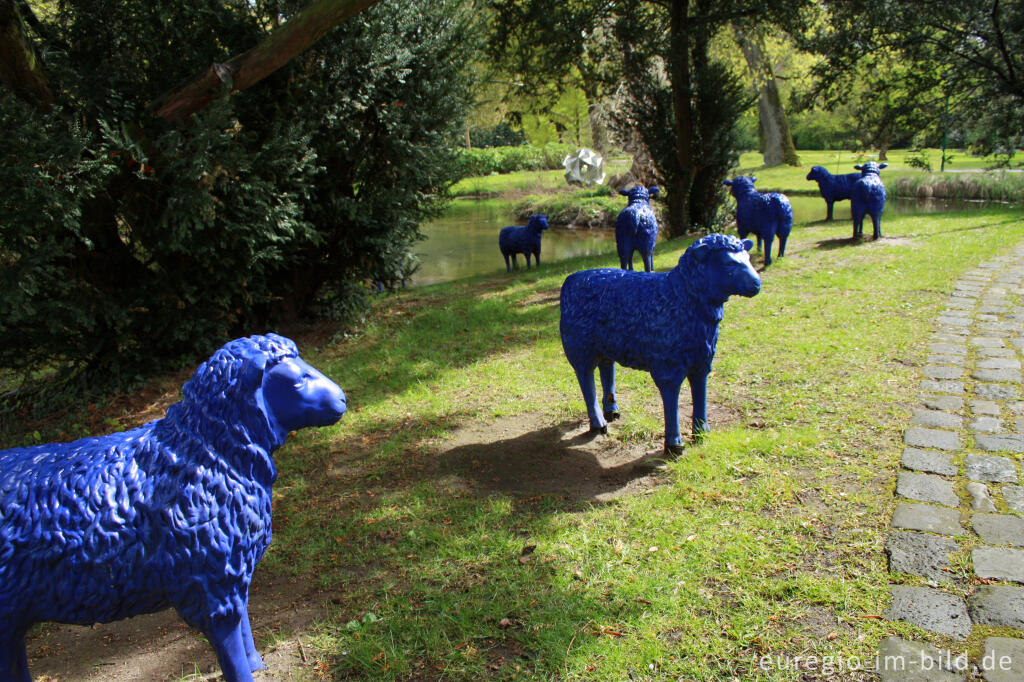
x=174, y=513
x=868, y=198
x=663, y=323
x=524, y=239
x=765, y=215
x=636, y=228
x=833, y=188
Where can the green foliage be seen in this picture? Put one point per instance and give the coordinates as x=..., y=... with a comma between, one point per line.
x=485, y=161
x=126, y=243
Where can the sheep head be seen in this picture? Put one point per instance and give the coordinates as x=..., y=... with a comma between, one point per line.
x=639, y=193
x=870, y=168
x=817, y=173
x=297, y=395
x=743, y=184
x=538, y=222
x=718, y=266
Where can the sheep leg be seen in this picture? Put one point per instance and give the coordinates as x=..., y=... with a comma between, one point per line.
x=227, y=639
x=526, y=255
x=768, y=249
x=782, y=245
x=586, y=379
x=508, y=268
x=649, y=261
x=536, y=257
x=877, y=223
x=515, y=261
x=14, y=660
x=253, y=656
x=669, y=389
x=611, y=408
x=829, y=216
x=699, y=396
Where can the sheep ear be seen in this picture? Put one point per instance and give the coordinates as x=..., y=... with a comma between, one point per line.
x=653, y=190
x=752, y=178
x=623, y=192
x=747, y=245
x=883, y=165
x=700, y=252
x=727, y=182
x=859, y=167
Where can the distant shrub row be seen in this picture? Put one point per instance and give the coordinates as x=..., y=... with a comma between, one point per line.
x=488, y=160
x=998, y=186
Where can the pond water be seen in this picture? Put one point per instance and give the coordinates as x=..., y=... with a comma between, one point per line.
x=464, y=241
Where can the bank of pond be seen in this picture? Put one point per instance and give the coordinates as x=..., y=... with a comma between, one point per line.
x=464, y=241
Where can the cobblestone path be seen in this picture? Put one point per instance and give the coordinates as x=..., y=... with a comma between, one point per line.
x=956, y=545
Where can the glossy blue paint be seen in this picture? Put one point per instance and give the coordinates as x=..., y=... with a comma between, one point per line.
x=174, y=513
x=868, y=198
x=524, y=239
x=636, y=228
x=663, y=323
x=765, y=215
x=833, y=188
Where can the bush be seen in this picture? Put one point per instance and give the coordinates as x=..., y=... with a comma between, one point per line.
x=127, y=244
x=486, y=161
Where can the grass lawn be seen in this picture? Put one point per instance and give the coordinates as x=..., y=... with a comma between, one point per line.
x=462, y=530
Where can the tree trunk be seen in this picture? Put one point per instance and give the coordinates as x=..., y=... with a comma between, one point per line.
x=20, y=68
x=679, y=73
x=778, y=141
x=250, y=67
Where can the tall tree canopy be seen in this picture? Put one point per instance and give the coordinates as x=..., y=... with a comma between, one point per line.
x=681, y=103
x=971, y=51
x=123, y=235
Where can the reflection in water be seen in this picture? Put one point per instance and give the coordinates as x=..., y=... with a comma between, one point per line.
x=464, y=241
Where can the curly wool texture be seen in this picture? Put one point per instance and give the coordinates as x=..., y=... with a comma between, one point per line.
x=832, y=188
x=665, y=323
x=636, y=228
x=524, y=239
x=765, y=215
x=868, y=198
x=176, y=512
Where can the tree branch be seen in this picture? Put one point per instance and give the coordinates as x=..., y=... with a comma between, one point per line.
x=252, y=66
x=20, y=68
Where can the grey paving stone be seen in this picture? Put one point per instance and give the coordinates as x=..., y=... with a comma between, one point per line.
x=960, y=304
x=928, y=460
x=990, y=468
x=1018, y=425
x=999, y=363
x=948, y=403
x=995, y=392
x=926, y=488
x=1018, y=342
x=986, y=425
x=932, y=438
x=949, y=335
x=930, y=609
x=936, y=359
x=941, y=520
x=1008, y=442
x=1001, y=327
x=955, y=321
x=1016, y=406
x=999, y=563
x=999, y=529
x=1005, y=376
x=957, y=312
x=937, y=386
x=1014, y=496
x=980, y=498
x=937, y=419
x=997, y=352
x=948, y=348
x=997, y=605
x=994, y=309
x=1003, y=660
x=986, y=407
x=920, y=554
x=942, y=372
x=901, y=660
x=988, y=341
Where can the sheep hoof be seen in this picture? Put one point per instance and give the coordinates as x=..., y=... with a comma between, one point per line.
x=673, y=451
x=598, y=430
x=611, y=415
